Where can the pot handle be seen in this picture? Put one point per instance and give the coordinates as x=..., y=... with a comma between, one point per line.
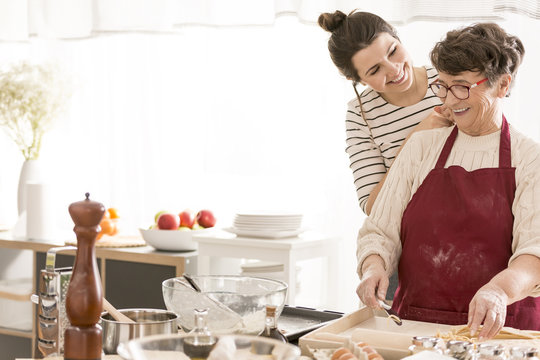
x=123, y=351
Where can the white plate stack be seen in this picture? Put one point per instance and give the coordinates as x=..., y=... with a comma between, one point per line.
x=267, y=225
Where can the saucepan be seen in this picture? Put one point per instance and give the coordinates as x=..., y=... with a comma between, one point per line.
x=145, y=322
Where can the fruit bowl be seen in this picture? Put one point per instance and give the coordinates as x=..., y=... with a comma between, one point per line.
x=246, y=296
x=172, y=240
x=227, y=347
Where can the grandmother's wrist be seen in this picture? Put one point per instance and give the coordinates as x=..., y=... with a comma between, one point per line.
x=373, y=260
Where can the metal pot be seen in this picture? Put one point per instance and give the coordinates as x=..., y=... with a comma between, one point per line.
x=147, y=322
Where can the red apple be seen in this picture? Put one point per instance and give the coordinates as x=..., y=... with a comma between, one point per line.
x=186, y=219
x=205, y=218
x=168, y=221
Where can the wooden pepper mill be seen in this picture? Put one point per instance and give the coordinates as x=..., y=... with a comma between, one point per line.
x=83, y=339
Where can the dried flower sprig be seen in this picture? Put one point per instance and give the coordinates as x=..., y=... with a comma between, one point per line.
x=31, y=97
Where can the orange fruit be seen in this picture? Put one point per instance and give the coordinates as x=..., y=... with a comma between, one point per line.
x=108, y=226
x=113, y=213
x=115, y=227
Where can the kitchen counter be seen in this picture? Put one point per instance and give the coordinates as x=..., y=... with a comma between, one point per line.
x=141, y=254
x=121, y=271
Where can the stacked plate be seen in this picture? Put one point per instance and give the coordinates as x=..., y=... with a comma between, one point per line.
x=267, y=225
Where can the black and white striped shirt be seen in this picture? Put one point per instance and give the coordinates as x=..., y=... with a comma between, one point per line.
x=372, y=147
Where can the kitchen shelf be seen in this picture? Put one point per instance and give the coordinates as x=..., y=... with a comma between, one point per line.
x=18, y=333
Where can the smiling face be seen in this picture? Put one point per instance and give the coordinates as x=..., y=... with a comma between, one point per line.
x=384, y=65
x=481, y=113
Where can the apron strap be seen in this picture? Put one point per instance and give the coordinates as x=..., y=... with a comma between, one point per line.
x=446, y=149
x=505, y=158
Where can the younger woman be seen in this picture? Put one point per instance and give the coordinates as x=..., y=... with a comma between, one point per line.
x=396, y=102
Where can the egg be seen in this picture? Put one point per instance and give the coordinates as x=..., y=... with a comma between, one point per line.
x=348, y=356
x=339, y=352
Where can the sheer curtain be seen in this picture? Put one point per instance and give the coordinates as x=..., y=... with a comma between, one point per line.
x=84, y=18
x=220, y=117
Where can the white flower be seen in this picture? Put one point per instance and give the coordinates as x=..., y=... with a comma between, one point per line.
x=31, y=97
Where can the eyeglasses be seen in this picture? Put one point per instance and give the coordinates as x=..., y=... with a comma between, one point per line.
x=461, y=92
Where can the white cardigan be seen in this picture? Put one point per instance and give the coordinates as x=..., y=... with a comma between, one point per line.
x=380, y=233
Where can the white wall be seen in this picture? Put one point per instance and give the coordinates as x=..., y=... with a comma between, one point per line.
x=218, y=118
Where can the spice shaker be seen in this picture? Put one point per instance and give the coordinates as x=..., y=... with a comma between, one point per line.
x=83, y=338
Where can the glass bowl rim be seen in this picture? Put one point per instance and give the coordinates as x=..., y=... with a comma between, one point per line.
x=251, y=338
x=284, y=285
x=173, y=315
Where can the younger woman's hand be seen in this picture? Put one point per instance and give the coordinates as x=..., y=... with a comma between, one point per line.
x=440, y=117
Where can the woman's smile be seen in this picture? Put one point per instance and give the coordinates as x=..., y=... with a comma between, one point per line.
x=401, y=77
x=460, y=112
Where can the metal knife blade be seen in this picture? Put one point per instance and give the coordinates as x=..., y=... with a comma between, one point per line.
x=391, y=313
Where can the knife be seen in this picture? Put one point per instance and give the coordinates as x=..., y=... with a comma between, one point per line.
x=391, y=313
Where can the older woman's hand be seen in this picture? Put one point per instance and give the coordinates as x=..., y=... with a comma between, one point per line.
x=488, y=306
x=374, y=281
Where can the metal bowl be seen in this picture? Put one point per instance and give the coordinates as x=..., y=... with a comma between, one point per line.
x=227, y=347
x=147, y=322
x=246, y=296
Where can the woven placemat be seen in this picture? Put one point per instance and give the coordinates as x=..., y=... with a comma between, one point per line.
x=116, y=241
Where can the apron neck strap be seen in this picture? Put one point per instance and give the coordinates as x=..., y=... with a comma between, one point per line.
x=447, y=148
x=505, y=158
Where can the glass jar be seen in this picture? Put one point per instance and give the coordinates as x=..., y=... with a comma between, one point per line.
x=523, y=353
x=200, y=342
x=425, y=343
x=463, y=350
x=271, y=328
x=488, y=351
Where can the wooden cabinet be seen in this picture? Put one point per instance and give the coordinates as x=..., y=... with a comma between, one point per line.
x=131, y=278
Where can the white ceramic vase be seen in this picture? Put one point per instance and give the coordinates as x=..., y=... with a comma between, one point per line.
x=30, y=172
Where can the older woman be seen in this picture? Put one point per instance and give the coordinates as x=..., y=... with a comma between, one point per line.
x=459, y=212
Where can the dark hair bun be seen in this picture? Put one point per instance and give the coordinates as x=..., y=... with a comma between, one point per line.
x=331, y=22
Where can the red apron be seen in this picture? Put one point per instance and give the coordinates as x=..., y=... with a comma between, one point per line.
x=456, y=235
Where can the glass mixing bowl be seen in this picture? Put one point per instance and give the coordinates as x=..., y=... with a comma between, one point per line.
x=236, y=304
x=227, y=347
